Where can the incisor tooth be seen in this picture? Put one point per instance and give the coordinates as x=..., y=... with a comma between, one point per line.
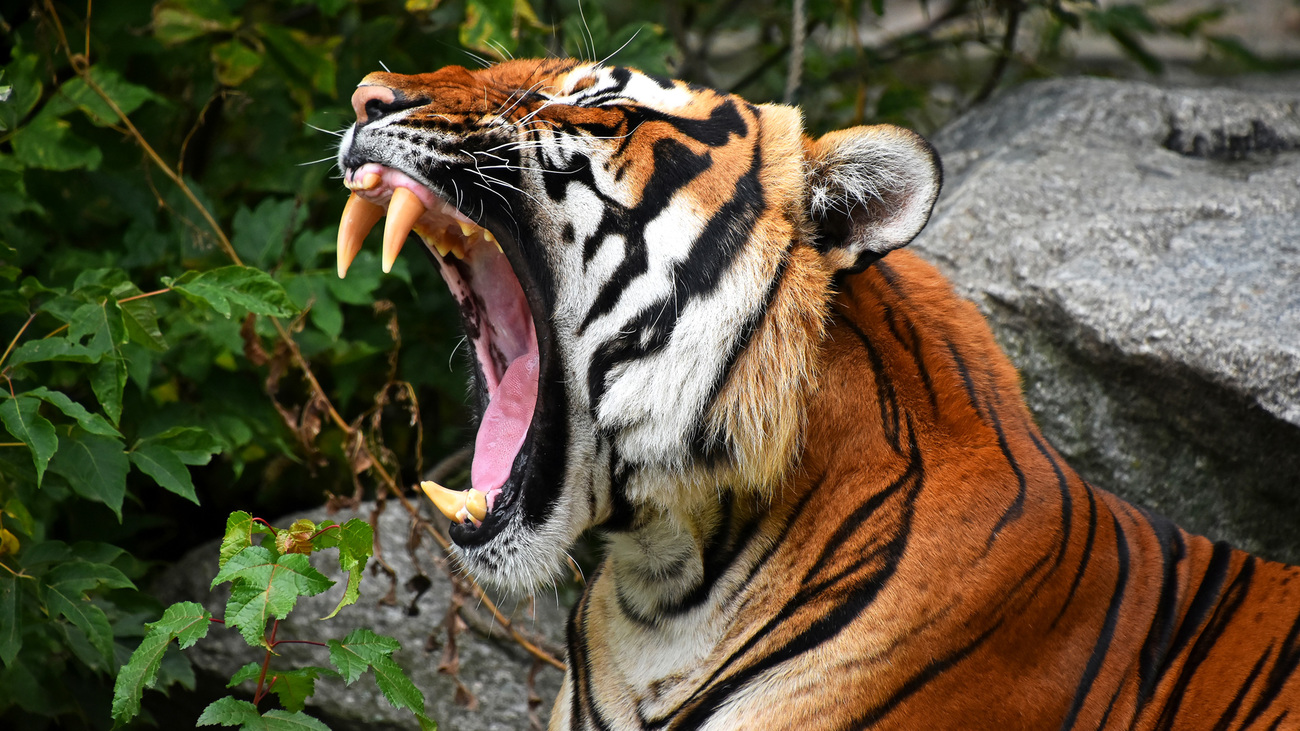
x=452, y=503
x=359, y=216
x=370, y=181
x=403, y=210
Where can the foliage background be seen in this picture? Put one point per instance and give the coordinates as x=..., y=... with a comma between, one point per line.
x=160, y=414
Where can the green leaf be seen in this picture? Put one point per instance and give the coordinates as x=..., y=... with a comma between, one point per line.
x=396, y=686
x=309, y=58
x=261, y=234
x=235, y=62
x=26, y=425
x=52, y=349
x=230, y=711
x=166, y=469
x=95, y=467
x=356, y=544
x=63, y=590
x=141, y=319
x=108, y=381
x=250, y=288
x=191, y=445
x=240, y=528
x=48, y=142
x=177, y=21
x=186, y=622
x=358, y=651
x=266, y=586
x=126, y=95
x=488, y=20
x=11, y=624
x=93, y=423
x=248, y=672
x=293, y=687
x=22, y=73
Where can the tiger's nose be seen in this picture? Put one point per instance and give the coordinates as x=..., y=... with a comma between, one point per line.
x=371, y=101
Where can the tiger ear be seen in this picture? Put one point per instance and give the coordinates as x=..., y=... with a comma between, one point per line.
x=871, y=190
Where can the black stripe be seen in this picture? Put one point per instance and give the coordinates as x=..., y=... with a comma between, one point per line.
x=848, y=602
x=886, y=397
x=1165, y=619
x=1107, y=634
x=1227, y=606
x=918, y=681
x=1205, y=600
x=1288, y=657
x=1086, y=555
x=1230, y=712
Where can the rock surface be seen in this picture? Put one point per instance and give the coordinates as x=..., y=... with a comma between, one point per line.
x=1137, y=251
x=494, y=671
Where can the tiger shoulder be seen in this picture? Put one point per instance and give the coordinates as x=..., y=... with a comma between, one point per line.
x=693, y=329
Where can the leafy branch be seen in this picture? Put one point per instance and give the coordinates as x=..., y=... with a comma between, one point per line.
x=268, y=570
x=82, y=67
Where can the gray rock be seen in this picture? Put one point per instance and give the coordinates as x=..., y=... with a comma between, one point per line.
x=1137, y=251
x=495, y=671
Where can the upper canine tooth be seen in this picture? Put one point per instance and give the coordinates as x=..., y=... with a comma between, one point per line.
x=359, y=216
x=403, y=211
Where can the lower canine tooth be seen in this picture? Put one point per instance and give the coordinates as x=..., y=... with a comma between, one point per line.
x=359, y=216
x=403, y=211
x=455, y=504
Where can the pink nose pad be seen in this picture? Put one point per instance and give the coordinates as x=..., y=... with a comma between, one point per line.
x=366, y=94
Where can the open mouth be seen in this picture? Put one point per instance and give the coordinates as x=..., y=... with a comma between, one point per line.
x=497, y=318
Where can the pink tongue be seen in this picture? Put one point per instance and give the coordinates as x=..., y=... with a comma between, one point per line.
x=505, y=424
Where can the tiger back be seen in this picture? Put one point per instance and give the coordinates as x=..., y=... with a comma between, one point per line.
x=826, y=505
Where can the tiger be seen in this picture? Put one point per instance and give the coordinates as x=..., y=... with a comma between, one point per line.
x=824, y=502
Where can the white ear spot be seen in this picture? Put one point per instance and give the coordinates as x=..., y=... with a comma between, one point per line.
x=870, y=191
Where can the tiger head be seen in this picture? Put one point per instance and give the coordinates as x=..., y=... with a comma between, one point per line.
x=643, y=269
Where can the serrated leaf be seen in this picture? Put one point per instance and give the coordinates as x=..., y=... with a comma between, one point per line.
x=296, y=538
x=278, y=720
x=11, y=624
x=252, y=289
x=266, y=586
x=21, y=419
x=248, y=672
x=91, y=422
x=358, y=650
x=396, y=686
x=240, y=528
x=187, y=622
x=356, y=543
x=79, y=577
x=166, y=469
x=293, y=687
x=230, y=711
x=95, y=466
